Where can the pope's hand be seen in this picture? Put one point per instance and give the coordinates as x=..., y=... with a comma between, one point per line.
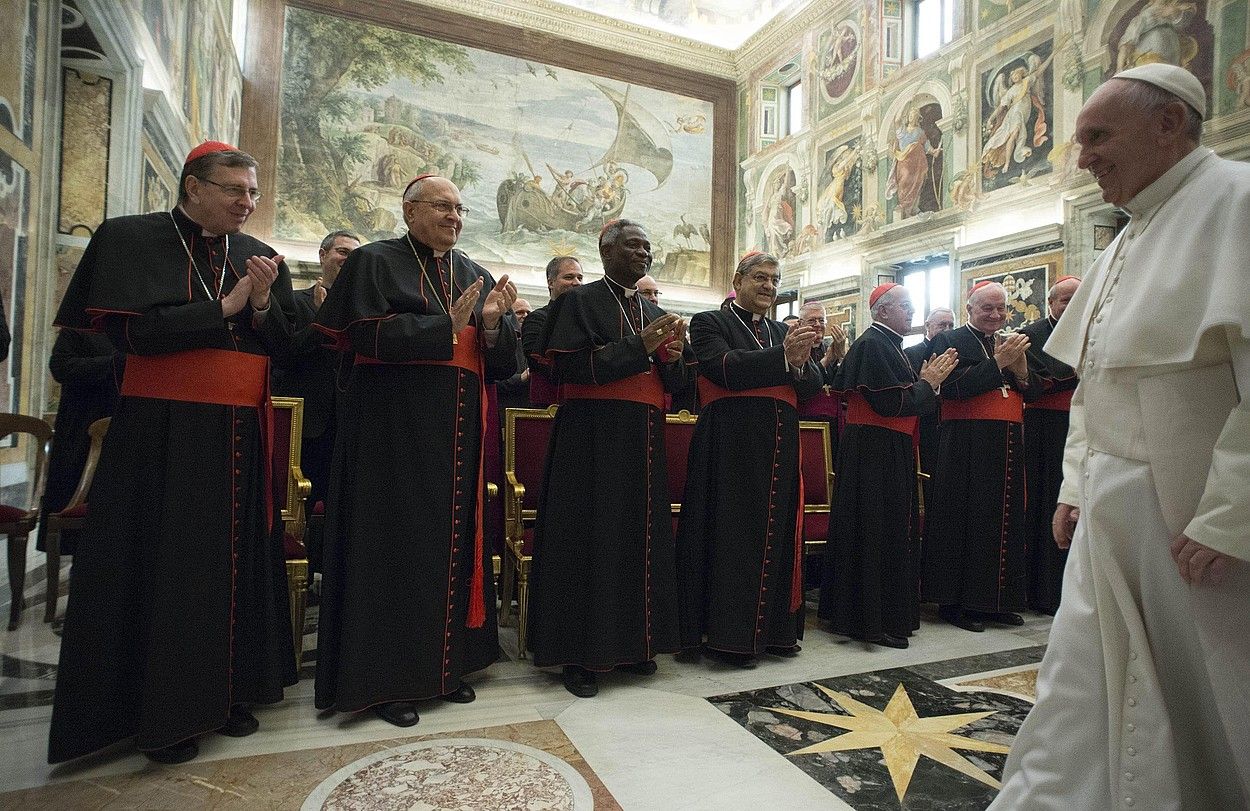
x=1063, y=525
x=1198, y=564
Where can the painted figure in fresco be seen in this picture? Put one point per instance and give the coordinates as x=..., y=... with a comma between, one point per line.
x=914, y=156
x=1157, y=34
x=1239, y=78
x=779, y=215
x=831, y=209
x=1016, y=98
x=837, y=64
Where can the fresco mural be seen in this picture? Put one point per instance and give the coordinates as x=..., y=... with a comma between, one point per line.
x=725, y=23
x=17, y=69
x=991, y=11
x=837, y=60
x=212, y=77
x=543, y=155
x=1017, y=117
x=1238, y=79
x=166, y=23
x=158, y=192
x=1172, y=31
x=915, y=181
x=839, y=189
x=777, y=220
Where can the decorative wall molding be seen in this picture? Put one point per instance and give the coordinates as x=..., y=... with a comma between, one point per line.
x=570, y=22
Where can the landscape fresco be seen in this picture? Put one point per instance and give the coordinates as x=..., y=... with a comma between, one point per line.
x=543, y=155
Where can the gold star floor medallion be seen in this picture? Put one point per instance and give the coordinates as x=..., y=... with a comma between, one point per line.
x=901, y=735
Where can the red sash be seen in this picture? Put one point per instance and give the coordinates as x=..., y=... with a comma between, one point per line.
x=992, y=405
x=214, y=377
x=645, y=388
x=859, y=412
x=465, y=355
x=1055, y=401
x=709, y=393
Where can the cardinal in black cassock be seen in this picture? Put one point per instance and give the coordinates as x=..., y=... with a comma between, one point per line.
x=974, y=554
x=177, y=614
x=407, y=600
x=603, y=586
x=1046, y=409
x=871, y=585
x=739, y=546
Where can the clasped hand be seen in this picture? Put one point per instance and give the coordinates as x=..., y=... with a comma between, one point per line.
x=799, y=342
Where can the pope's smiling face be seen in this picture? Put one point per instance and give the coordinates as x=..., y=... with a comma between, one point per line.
x=1121, y=144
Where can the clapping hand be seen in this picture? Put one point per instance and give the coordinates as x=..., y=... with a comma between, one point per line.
x=798, y=344
x=936, y=369
x=263, y=271
x=498, y=301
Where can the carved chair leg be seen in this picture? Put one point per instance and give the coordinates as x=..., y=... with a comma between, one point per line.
x=52, y=545
x=297, y=585
x=17, y=578
x=523, y=601
x=507, y=578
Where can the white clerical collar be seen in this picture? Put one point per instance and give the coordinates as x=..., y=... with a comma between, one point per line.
x=744, y=311
x=887, y=330
x=1154, y=195
x=628, y=291
x=204, y=232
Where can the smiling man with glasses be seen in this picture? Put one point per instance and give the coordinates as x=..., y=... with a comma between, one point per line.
x=178, y=617
x=407, y=601
x=740, y=560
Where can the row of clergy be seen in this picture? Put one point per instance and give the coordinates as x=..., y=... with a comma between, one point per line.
x=183, y=511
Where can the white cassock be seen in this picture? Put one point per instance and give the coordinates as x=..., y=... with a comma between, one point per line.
x=1144, y=692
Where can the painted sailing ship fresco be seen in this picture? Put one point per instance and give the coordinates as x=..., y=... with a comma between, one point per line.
x=584, y=202
x=543, y=155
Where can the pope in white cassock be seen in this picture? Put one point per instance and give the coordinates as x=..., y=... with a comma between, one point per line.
x=1144, y=693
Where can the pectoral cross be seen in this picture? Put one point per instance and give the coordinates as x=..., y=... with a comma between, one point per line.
x=1003, y=388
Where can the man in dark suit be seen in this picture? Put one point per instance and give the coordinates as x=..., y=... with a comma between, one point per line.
x=309, y=372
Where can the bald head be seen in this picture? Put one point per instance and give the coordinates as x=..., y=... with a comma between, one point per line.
x=1059, y=296
x=940, y=320
x=987, y=308
x=432, y=212
x=521, y=308
x=649, y=289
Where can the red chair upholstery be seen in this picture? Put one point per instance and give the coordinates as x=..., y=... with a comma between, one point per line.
x=817, y=459
x=18, y=522
x=678, y=432
x=527, y=432
x=73, y=516
x=291, y=490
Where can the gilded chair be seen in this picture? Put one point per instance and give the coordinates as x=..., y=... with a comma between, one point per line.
x=18, y=522
x=527, y=432
x=678, y=433
x=817, y=461
x=291, y=491
x=72, y=516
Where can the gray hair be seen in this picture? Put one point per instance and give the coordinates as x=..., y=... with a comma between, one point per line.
x=753, y=260
x=612, y=231
x=887, y=298
x=812, y=305
x=203, y=165
x=414, y=188
x=328, y=242
x=1151, y=98
x=937, y=310
x=557, y=262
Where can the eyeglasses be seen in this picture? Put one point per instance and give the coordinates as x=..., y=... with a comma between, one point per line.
x=237, y=192
x=444, y=207
x=762, y=278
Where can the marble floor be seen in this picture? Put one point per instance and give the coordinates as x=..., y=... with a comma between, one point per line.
x=788, y=734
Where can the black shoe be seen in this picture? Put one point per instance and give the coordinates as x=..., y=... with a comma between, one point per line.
x=580, y=682
x=785, y=651
x=745, y=661
x=646, y=668
x=689, y=656
x=1005, y=618
x=178, y=753
x=461, y=695
x=960, y=619
x=239, y=724
x=891, y=641
x=399, y=713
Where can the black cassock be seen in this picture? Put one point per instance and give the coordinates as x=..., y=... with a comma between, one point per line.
x=542, y=392
x=400, y=556
x=871, y=583
x=736, y=536
x=176, y=611
x=89, y=369
x=974, y=550
x=930, y=423
x=1045, y=434
x=603, y=587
